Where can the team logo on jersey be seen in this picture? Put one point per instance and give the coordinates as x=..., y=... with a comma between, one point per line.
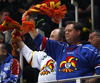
x=65, y=66
x=49, y=67
x=7, y=68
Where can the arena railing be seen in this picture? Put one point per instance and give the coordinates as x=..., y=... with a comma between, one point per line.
x=73, y=2
x=78, y=79
x=92, y=13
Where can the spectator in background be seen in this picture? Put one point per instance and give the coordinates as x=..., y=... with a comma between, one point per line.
x=5, y=36
x=54, y=34
x=94, y=38
x=10, y=70
x=6, y=12
x=58, y=34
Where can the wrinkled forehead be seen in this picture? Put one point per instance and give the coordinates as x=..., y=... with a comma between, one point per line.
x=93, y=34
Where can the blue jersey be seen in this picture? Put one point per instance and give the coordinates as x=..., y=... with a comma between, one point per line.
x=10, y=70
x=72, y=61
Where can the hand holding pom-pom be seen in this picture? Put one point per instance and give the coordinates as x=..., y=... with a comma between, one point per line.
x=16, y=37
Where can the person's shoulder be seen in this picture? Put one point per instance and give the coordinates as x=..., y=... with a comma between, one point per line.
x=40, y=53
x=63, y=44
x=12, y=57
x=89, y=47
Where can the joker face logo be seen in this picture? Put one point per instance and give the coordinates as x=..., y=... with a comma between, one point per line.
x=65, y=66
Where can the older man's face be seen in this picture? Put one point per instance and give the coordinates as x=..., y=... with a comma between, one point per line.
x=94, y=39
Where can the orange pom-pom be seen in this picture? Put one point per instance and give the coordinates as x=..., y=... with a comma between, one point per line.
x=28, y=26
x=54, y=14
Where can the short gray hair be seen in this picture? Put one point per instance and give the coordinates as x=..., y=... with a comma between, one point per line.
x=97, y=31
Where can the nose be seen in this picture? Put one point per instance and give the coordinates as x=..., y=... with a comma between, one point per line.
x=66, y=33
x=89, y=40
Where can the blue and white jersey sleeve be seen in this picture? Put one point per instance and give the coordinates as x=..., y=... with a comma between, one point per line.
x=93, y=57
x=52, y=48
x=97, y=64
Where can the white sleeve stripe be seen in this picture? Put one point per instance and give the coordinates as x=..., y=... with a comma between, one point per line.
x=97, y=66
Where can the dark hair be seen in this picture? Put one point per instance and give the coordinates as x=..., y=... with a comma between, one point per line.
x=62, y=34
x=4, y=10
x=77, y=26
x=3, y=46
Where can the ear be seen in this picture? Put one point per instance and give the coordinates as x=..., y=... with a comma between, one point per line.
x=78, y=32
x=99, y=38
x=5, y=52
